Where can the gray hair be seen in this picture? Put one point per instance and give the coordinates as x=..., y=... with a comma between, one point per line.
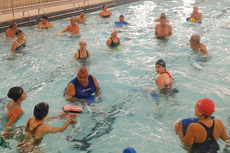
x=73, y=18
x=196, y=38
x=196, y=6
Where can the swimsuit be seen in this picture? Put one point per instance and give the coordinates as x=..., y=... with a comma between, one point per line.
x=82, y=92
x=87, y=53
x=105, y=16
x=210, y=146
x=5, y=115
x=167, y=86
x=160, y=37
x=113, y=44
x=37, y=141
x=20, y=46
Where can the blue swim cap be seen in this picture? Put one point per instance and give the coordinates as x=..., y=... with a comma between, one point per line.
x=129, y=150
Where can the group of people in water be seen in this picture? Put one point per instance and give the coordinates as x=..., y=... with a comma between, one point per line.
x=85, y=85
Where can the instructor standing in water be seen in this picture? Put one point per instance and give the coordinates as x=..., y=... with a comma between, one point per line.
x=105, y=13
x=163, y=30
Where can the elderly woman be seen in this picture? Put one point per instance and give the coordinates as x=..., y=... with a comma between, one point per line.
x=36, y=129
x=113, y=41
x=82, y=53
x=20, y=43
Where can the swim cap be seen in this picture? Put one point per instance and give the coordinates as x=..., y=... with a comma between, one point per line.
x=113, y=30
x=18, y=31
x=41, y=110
x=206, y=106
x=129, y=150
x=82, y=40
x=15, y=93
x=161, y=62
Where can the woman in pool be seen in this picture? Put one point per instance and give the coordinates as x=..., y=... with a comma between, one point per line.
x=14, y=111
x=202, y=136
x=36, y=129
x=165, y=80
x=113, y=41
x=105, y=13
x=82, y=53
x=20, y=43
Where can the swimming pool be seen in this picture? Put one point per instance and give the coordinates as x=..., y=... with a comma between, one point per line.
x=128, y=116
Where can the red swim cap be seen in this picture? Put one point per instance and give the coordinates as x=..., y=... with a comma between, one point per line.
x=206, y=106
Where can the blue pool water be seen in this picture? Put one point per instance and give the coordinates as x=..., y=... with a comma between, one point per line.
x=128, y=115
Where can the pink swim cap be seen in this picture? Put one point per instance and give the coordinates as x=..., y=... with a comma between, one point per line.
x=206, y=106
x=74, y=110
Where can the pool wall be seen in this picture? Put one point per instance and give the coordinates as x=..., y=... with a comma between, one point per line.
x=34, y=20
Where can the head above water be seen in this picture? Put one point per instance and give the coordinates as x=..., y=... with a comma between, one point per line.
x=121, y=18
x=41, y=110
x=161, y=62
x=44, y=17
x=206, y=106
x=195, y=8
x=82, y=41
x=196, y=38
x=162, y=15
x=82, y=76
x=15, y=93
x=104, y=7
x=12, y=24
x=18, y=32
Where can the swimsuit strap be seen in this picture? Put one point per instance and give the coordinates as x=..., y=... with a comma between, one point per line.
x=79, y=53
x=33, y=131
x=168, y=74
x=13, y=106
x=87, y=53
x=111, y=39
x=208, y=130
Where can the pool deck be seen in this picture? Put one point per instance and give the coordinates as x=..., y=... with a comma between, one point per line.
x=54, y=12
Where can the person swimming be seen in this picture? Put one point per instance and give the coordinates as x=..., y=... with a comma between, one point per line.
x=20, y=43
x=82, y=53
x=13, y=110
x=113, y=41
x=35, y=128
x=165, y=80
x=105, y=13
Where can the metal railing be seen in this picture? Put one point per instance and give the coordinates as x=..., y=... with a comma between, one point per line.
x=16, y=5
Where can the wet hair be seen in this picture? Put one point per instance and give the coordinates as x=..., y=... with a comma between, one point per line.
x=45, y=17
x=11, y=24
x=15, y=93
x=122, y=16
x=196, y=38
x=163, y=13
x=18, y=31
x=163, y=17
x=161, y=62
x=103, y=6
x=83, y=11
x=41, y=110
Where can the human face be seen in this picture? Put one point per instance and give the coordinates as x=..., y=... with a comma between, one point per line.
x=105, y=8
x=83, y=45
x=121, y=19
x=20, y=35
x=44, y=21
x=72, y=21
x=159, y=69
x=195, y=9
x=82, y=78
x=162, y=22
x=197, y=112
x=82, y=14
x=192, y=42
x=23, y=96
x=114, y=34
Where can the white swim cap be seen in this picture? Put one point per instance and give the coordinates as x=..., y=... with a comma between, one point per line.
x=82, y=40
x=113, y=30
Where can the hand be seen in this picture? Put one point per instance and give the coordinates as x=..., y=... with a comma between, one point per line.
x=178, y=127
x=63, y=115
x=72, y=119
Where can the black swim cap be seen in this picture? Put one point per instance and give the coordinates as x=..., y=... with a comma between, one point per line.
x=161, y=62
x=15, y=93
x=41, y=110
x=18, y=31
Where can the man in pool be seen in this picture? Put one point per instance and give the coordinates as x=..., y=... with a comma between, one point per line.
x=163, y=30
x=162, y=15
x=196, y=15
x=73, y=28
x=201, y=137
x=82, y=18
x=45, y=24
x=122, y=19
x=83, y=86
x=196, y=45
x=105, y=13
x=12, y=30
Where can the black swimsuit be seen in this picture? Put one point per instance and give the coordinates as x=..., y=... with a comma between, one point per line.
x=209, y=145
x=80, y=55
x=113, y=44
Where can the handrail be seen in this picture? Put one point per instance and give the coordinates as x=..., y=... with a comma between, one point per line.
x=41, y=9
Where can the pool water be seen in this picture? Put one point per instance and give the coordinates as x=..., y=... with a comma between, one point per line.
x=128, y=115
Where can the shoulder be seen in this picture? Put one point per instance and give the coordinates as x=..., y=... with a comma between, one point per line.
x=169, y=26
x=94, y=78
x=15, y=42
